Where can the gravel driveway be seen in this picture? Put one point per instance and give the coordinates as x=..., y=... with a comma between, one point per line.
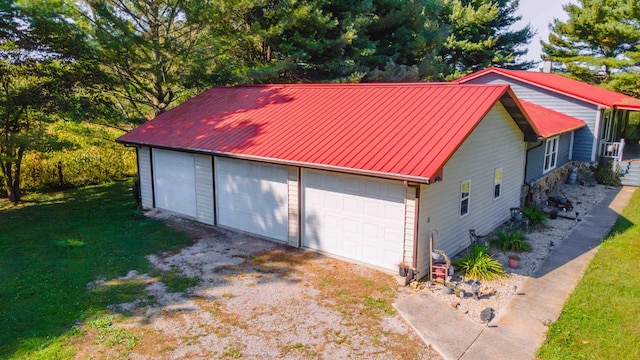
x=256, y=299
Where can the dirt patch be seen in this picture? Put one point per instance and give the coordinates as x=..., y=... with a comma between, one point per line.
x=258, y=299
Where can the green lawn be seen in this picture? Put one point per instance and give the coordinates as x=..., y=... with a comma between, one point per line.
x=52, y=246
x=601, y=319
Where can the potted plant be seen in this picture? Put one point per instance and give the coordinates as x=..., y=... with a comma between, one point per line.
x=403, y=269
x=514, y=261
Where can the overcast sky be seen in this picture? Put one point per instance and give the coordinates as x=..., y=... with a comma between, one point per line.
x=539, y=13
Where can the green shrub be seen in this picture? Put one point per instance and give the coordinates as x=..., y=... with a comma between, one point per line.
x=604, y=173
x=508, y=240
x=80, y=155
x=478, y=264
x=535, y=215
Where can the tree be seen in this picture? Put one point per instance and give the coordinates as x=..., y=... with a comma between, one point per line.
x=151, y=47
x=599, y=44
x=340, y=40
x=481, y=36
x=40, y=74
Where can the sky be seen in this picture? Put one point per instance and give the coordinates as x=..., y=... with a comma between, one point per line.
x=540, y=13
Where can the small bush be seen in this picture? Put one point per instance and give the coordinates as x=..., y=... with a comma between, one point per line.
x=604, y=173
x=535, y=215
x=478, y=264
x=510, y=241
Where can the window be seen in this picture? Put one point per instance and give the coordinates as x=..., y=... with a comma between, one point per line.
x=497, y=183
x=551, y=154
x=465, y=189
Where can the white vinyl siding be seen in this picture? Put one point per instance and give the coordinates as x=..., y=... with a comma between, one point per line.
x=465, y=194
x=294, y=217
x=145, y=176
x=204, y=189
x=585, y=140
x=496, y=142
x=409, y=224
x=252, y=197
x=551, y=154
x=497, y=183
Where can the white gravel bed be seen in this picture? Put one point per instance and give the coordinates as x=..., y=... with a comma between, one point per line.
x=543, y=240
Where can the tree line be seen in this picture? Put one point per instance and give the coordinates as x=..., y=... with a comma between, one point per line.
x=122, y=62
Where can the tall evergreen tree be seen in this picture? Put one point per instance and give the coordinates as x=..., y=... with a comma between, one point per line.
x=151, y=47
x=481, y=36
x=600, y=43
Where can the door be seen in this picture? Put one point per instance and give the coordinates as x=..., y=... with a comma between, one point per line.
x=252, y=197
x=355, y=217
x=174, y=181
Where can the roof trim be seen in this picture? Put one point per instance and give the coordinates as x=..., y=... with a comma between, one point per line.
x=526, y=81
x=315, y=166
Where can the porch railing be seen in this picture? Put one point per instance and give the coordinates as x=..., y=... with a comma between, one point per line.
x=612, y=149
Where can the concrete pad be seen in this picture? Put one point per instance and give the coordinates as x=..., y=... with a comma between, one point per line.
x=439, y=325
x=491, y=344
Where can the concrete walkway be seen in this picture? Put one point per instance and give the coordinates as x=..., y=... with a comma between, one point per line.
x=519, y=328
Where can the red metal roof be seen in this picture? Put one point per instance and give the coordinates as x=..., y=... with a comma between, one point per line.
x=550, y=123
x=401, y=131
x=570, y=87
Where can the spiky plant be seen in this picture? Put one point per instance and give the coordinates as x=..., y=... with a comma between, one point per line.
x=478, y=264
x=508, y=240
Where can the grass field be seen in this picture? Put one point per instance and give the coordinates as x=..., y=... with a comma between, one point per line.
x=52, y=246
x=601, y=319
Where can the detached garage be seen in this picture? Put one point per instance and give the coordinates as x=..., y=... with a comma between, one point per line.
x=345, y=169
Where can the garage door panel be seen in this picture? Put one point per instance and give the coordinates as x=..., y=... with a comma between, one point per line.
x=252, y=197
x=354, y=217
x=174, y=181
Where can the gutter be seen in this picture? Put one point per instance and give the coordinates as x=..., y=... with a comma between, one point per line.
x=526, y=158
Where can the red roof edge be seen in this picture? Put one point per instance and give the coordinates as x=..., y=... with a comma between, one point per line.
x=508, y=74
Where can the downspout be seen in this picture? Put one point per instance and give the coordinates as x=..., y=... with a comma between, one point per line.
x=526, y=158
x=526, y=161
x=414, y=264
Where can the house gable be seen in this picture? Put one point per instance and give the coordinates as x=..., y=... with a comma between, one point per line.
x=584, y=148
x=495, y=143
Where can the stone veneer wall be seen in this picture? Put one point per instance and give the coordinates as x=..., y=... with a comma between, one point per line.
x=549, y=182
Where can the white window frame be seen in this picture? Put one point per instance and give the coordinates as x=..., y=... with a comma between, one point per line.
x=497, y=182
x=550, y=154
x=464, y=198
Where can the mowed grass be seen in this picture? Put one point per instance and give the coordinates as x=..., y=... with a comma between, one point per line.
x=601, y=319
x=52, y=246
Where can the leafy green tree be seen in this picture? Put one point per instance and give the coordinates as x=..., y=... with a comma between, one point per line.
x=152, y=48
x=600, y=43
x=481, y=36
x=40, y=78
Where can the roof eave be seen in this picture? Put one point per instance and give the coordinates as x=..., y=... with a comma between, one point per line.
x=564, y=131
x=520, y=116
x=512, y=76
x=378, y=174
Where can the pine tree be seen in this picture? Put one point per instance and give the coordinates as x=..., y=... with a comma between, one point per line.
x=599, y=44
x=481, y=36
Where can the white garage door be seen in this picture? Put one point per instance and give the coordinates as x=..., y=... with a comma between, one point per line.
x=174, y=181
x=252, y=197
x=354, y=217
